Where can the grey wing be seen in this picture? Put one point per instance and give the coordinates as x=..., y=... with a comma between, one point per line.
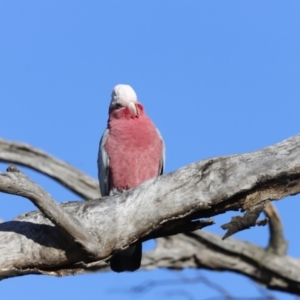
x=163, y=155
x=103, y=165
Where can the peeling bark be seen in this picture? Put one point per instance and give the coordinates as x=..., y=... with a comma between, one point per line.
x=246, y=221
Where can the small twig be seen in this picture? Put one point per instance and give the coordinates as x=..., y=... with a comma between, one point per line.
x=16, y=182
x=186, y=280
x=182, y=293
x=246, y=221
x=214, y=286
x=277, y=244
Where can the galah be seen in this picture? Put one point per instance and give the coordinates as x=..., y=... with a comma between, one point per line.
x=131, y=151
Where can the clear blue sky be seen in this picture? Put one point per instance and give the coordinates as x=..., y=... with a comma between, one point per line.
x=217, y=78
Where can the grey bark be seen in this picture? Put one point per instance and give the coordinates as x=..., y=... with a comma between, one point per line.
x=277, y=243
x=206, y=250
x=15, y=181
x=161, y=207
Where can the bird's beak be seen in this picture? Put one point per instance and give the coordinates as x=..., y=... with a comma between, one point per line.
x=133, y=109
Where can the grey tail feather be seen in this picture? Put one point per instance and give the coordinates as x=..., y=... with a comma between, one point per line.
x=121, y=262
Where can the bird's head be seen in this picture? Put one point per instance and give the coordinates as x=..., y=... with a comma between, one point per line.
x=123, y=96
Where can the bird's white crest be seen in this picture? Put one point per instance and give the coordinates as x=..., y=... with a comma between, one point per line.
x=123, y=94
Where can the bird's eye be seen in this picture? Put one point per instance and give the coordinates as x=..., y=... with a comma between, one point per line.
x=118, y=105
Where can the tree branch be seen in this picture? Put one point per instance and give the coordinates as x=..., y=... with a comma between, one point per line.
x=249, y=219
x=15, y=182
x=36, y=159
x=277, y=243
x=31, y=244
x=203, y=249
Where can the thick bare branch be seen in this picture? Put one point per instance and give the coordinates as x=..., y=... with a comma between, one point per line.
x=15, y=182
x=36, y=159
x=31, y=244
x=204, y=250
x=207, y=250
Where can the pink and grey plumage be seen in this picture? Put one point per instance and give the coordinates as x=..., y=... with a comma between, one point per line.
x=131, y=151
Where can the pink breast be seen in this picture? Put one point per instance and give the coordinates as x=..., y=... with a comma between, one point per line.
x=134, y=149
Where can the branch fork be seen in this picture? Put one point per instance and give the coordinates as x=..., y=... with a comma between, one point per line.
x=16, y=182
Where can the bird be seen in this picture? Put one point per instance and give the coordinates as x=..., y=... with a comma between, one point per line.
x=131, y=151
